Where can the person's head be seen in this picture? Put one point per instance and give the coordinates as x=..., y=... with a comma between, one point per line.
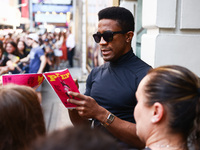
x=48, y=49
x=21, y=46
x=21, y=117
x=11, y=48
x=169, y=96
x=76, y=138
x=10, y=35
x=32, y=39
x=1, y=44
x=115, y=32
x=46, y=41
x=69, y=31
x=1, y=51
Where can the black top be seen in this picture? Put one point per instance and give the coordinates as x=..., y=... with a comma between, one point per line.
x=4, y=60
x=23, y=55
x=113, y=85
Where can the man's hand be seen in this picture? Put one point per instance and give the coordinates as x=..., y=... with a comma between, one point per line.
x=87, y=107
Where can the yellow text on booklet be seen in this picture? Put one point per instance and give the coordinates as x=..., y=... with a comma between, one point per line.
x=63, y=76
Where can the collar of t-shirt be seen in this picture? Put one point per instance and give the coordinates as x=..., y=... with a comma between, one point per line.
x=123, y=58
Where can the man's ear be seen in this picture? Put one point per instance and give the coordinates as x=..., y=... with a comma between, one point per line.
x=129, y=36
x=158, y=112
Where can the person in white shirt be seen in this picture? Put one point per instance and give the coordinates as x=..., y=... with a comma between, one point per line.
x=70, y=43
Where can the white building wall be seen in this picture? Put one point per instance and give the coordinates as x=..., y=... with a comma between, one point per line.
x=132, y=6
x=84, y=34
x=173, y=33
x=190, y=14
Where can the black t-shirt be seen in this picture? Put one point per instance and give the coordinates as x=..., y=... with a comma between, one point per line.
x=113, y=85
x=23, y=55
x=3, y=60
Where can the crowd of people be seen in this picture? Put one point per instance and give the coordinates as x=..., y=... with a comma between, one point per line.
x=15, y=47
x=127, y=104
x=33, y=53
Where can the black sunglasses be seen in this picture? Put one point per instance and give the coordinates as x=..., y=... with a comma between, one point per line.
x=107, y=35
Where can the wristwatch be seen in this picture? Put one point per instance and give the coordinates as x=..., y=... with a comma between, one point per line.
x=109, y=120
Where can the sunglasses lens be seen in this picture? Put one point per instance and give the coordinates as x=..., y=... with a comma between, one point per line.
x=97, y=37
x=108, y=36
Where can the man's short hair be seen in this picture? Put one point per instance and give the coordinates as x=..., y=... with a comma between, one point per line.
x=122, y=15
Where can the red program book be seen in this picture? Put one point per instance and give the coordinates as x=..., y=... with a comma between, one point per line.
x=32, y=80
x=62, y=82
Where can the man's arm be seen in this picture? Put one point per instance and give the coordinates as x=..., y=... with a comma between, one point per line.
x=76, y=119
x=42, y=64
x=125, y=131
x=25, y=59
x=10, y=65
x=87, y=107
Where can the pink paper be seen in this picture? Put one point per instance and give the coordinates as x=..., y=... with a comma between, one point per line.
x=32, y=80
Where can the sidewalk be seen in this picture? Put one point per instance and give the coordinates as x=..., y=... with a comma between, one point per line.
x=55, y=114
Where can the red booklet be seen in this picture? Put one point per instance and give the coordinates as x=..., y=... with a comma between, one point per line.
x=32, y=80
x=61, y=81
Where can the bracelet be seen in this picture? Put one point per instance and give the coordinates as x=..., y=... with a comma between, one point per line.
x=105, y=117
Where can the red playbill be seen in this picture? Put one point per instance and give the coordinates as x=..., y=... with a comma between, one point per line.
x=32, y=80
x=61, y=81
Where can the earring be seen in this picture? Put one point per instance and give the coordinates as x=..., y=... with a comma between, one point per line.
x=153, y=120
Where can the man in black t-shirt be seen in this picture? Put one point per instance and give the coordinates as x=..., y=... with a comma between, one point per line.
x=110, y=89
